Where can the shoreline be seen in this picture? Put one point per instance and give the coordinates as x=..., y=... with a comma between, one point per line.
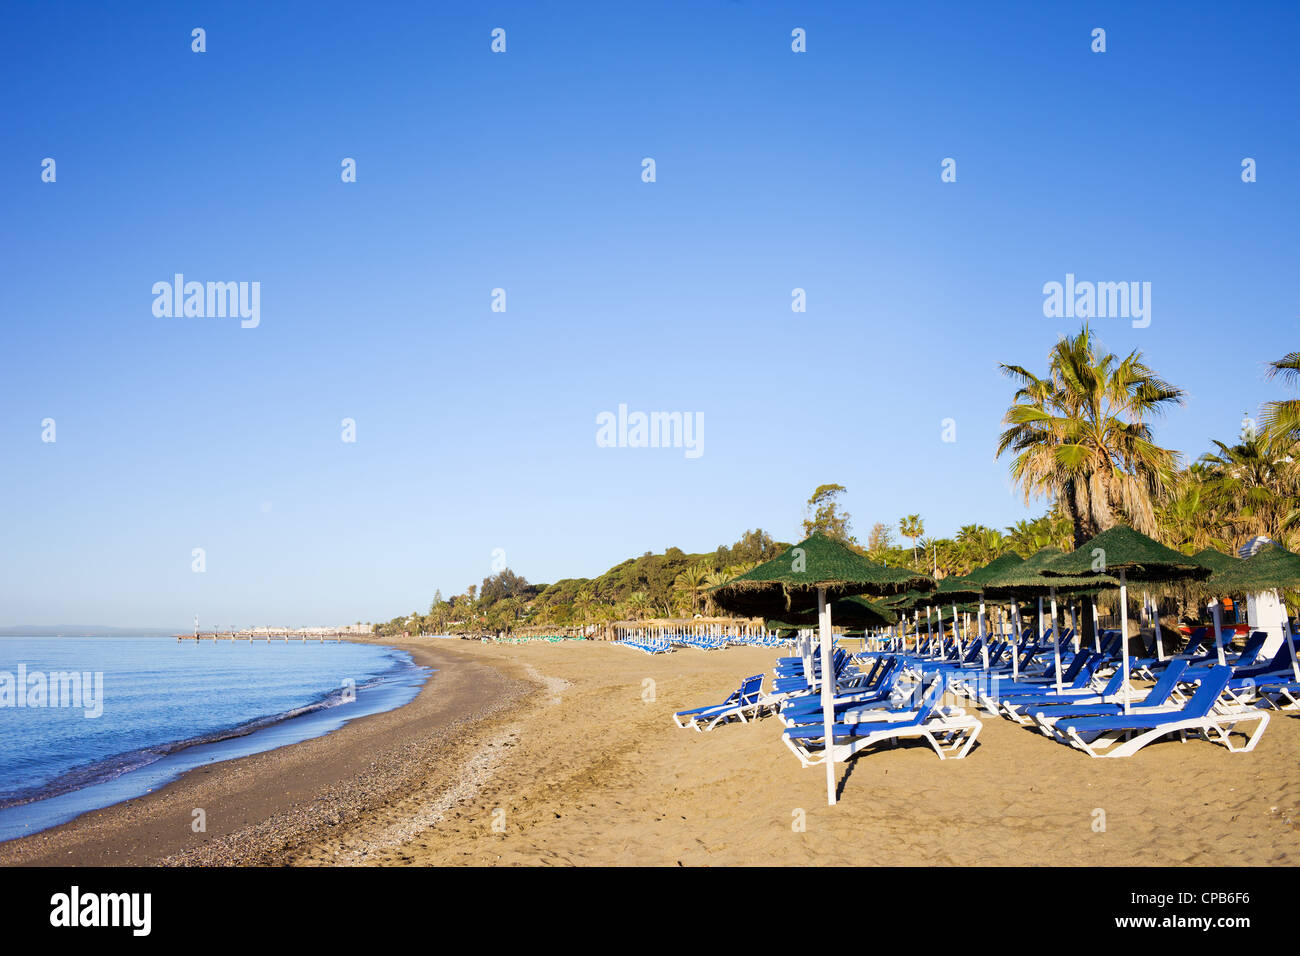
x=258, y=807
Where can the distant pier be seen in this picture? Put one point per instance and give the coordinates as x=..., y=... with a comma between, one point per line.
x=318, y=636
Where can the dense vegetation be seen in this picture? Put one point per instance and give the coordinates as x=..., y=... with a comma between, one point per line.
x=1078, y=436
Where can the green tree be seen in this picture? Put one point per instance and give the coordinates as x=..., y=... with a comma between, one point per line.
x=823, y=514
x=1080, y=435
x=912, y=527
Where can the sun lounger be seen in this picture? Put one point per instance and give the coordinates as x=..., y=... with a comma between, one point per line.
x=1159, y=697
x=951, y=733
x=1124, y=735
x=745, y=702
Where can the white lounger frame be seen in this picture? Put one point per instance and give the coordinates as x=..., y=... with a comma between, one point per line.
x=951, y=735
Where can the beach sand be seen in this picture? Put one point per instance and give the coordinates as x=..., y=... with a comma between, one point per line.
x=586, y=767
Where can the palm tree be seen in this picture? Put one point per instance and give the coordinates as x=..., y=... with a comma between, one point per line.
x=1281, y=421
x=912, y=527
x=691, y=581
x=716, y=579
x=1249, y=488
x=1188, y=522
x=638, y=603
x=931, y=547
x=1080, y=435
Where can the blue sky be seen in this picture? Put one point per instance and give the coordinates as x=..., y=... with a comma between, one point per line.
x=476, y=429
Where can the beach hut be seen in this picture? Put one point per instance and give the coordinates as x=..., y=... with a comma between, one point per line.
x=817, y=571
x=1127, y=554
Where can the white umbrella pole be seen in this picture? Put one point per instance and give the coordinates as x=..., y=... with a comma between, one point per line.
x=929, y=631
x=1123, y=630
x=1015, y=643
x=828, y=691
x=1074, y=626
x=1040, y=619
x=1153, y=615
x=939, y=610
x=1218, y=629
x=984, y=637
x=1056, y=642
x=955, y=635
x=1286, y=634
x=1096, y=627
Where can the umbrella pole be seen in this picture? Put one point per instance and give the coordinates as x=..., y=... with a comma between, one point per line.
x=939, y=610
x=1154, y=614
x=1286, y=634
x=1074, y=626
x=1040, y=619
x=828, y=691
x=984, y=639
x=929, y=631
x=1218, y=629
x=955, y=635
x=1096, y=628
x=1123, y=630
x=1056, y=642
x=1015, y=645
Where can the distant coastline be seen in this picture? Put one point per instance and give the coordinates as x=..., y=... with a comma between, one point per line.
x=83, y=630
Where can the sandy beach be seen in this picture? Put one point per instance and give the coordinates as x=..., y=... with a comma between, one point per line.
x=559, y=754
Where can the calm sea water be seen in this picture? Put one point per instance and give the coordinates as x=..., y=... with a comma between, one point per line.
x=167, y=706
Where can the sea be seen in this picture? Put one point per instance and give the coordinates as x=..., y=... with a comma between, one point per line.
x=140, y=711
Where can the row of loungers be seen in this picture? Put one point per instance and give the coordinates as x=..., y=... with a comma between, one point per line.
x=669, y=643
x=885, y=697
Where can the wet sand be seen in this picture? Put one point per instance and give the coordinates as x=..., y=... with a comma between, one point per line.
x=558, y=754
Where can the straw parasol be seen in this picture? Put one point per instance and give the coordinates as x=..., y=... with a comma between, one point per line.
x=1027, y=580
x=971, y=587
x=1217, y=562
x=1271, y=568
x=816, y=569
x=1127, y=553
x=854, y=612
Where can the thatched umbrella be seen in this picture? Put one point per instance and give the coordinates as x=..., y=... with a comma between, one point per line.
x=1271, y=568
x=1124, y=552
x=970, y=587
x=856, y=613
x=1027, y=580
x=814, y=570
x=1217, y=562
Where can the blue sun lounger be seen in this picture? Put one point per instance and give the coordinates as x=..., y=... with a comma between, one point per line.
x=746, y=701
x=1159, y=696
x=1125, y=735
x=1017, y=706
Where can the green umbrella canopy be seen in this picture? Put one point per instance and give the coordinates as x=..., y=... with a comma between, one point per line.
x=956, y=587
x=1027, y=580
x=908, y=600
x=1121, y=549
x=1271, y=567
x=851, y=612
x=1198, y=591
x=1216, y=561
x=791, y=580
x=970, y=586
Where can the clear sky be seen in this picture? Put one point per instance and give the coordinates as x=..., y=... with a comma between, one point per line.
x=475, y=430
